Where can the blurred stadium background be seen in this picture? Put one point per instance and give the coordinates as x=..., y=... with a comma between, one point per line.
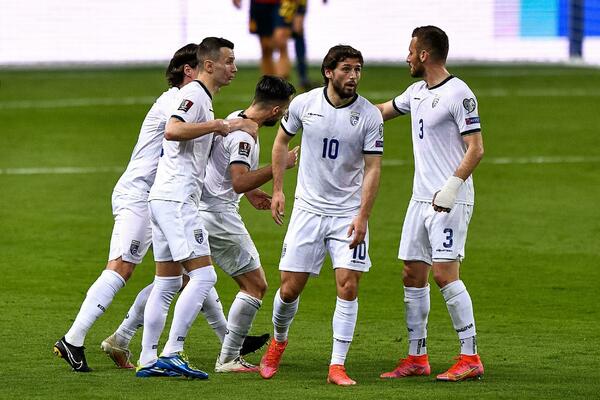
x=113, y=31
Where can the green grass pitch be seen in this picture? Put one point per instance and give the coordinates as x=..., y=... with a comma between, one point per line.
x=532, y=253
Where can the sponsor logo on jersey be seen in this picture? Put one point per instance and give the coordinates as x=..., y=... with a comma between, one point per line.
x=469, y=104
x=244, y=149
x=199, y=236
x=135, y=246
x=435, y=101
x=311, y=114
x=354, y=116
x=186, y=105
x=472, y=120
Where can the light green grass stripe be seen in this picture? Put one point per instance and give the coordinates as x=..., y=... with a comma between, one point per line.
x=386, y=163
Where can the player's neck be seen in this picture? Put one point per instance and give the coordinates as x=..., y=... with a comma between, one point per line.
x=436, y=75
x=209, y=83
x=335, y=99
x=255, y=115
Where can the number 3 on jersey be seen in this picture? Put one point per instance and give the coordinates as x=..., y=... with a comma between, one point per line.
x=330, y=148
x=421, y=128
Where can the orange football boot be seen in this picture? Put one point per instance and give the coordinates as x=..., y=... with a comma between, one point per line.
x=269, y=363
x=467, y=367
x=337, y=375
x=410, y=366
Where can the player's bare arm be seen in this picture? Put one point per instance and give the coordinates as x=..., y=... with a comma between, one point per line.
x=279, y=162
x=387, y=110
x=370, y=187
x=443, y=201
x=177, y=130
x=244, y=180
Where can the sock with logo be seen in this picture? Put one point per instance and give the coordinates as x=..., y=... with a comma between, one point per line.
x=212, y=309
x=134, y=318
x=416, y=306
x=239, y=321
x=155, y=315
x=283, y=315
x=188, y=306
x=460, y=308
x=344, y=322
x=98, y=298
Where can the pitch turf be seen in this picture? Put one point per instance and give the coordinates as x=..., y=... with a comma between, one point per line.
x=531, y=266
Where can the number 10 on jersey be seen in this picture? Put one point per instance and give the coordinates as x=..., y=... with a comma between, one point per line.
x=330, y=148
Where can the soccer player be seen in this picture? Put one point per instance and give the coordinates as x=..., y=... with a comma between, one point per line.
x=338, y=178
x=231, y=171
x=265, y=22
x=178, y=236
x=131, y=235
x=447, y=145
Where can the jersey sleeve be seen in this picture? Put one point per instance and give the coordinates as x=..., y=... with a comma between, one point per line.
x=401, y=103
x=373, y=143
x=240, y=144
x=292, y=119
x=190, y=108
x=465, y=112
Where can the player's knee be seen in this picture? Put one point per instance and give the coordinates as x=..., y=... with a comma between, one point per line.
x=348, y=290
x=288, y=294
x=413, y=278
x=442, y=279
x=123, y=268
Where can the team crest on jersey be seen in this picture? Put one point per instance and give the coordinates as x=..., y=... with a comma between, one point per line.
x=435, y=101
x=381, y=130
x=286, y=115
x=199, y=236
x=283, y=250
x=135, y=246
x=354, y=116
x=186, y=105
x=469, y=104
x=244, y=149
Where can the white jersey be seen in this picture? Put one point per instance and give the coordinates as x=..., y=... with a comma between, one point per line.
x=237, y=147
x=139, y=175
x=441, y=116
x=181, y=168
x=334, y=143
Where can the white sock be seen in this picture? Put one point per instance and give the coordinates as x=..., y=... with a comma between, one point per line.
x=344, y=322
x=283, y=315
x=416, y=306
x=134, y=318
x=155, y=315
x=98, y=298
x=460, y=308
x=212, y=309
x=188, y=306
x=239, y=321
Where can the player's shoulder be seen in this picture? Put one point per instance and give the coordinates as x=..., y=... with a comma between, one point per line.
x=195, y=90
x=368, y=108
x=458, y=86
x=307, y=97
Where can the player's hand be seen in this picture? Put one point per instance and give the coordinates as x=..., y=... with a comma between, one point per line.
x=278, y=207
x=358, y=227
x=246, y=125
x=237, y=3
x=443, y=200
x=259, y=199
x=292, y=159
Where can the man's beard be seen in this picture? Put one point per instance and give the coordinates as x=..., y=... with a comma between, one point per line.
x=417, y=71
x=271, y=122
x=341, y=92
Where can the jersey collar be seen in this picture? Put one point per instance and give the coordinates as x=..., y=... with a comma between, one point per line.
x=441, y=83
x=204, y=87
x=345, y=105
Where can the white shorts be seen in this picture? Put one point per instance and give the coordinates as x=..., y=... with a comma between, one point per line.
x=428, y=235
x=310, y=235
x=231, y=246
x=178, y=233
x=132, y=232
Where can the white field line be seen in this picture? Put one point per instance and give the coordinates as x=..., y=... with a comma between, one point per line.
x=386, y=163
x=388, y=94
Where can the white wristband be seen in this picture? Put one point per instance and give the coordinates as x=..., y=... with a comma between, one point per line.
x=447, y=195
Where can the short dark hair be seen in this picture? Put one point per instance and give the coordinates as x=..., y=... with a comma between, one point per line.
x=432, y=39
x=210, y=48
x=336, y=54
x=271, y=89
x=183, y=56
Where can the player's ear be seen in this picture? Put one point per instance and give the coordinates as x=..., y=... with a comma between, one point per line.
x=423, y=55
x=328, y=73
x=208, y=66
